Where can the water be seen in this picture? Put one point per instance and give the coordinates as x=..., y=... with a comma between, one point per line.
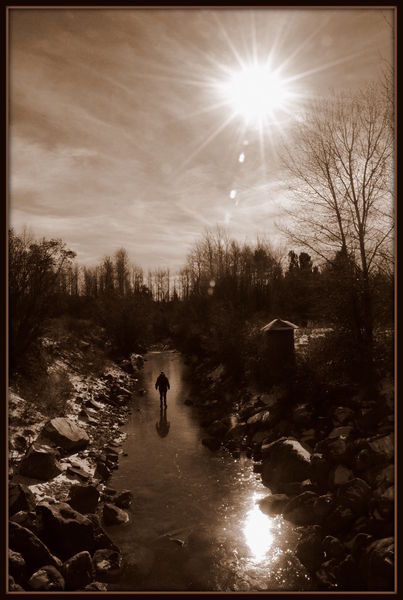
x=194, y=522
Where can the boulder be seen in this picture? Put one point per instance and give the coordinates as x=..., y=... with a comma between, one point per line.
x=386, y=501
x=16, y=565
x=102, y=472
x=333, y=548
x=34, y=551
x=342, y=415
x=40, y=462
x=84, y=498
x=123, y=499
x=309, y=548
x=285, y=460
x=47, y=579
x=339, y=521
x=217, y=429
x=322, y=508
x=78, y=571
x=339, y=475
x=383, y=447
x=335, y=449
x=113, y=515
x=377, y=565
x=355, y=494
x=26, y=519
x=101, y=538
x=260, y=420
x=20, y=498
x=65, y=434
x=273, y=504
x=299, y=510
x=302, y=415
x=107, y=563
x=66, y=531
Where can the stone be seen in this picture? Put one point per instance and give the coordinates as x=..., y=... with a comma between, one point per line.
x=339, y=521
x=342, y=415
x=309, y=549
x=386, y=502
x=123, y=499
x=84, y=498
x=285, y=460
x=302, y=415
x=377, y=565
x=299, y=510
x=13, y=586
x=20, y=498
x=355, y=494
x=36, y=554
x=322, y=507
x=237, y=432
x=113, y=515
x=211, y=443
x=78, y=571
x=320, y=468
x=260, y=420
x=65, y=434
x=347, y=574
x=339, y=475
x=383, y=447
x=335, y=449
x=26, y=519
x=78, y=472
x=326, y=576
x=107, y=563
x=101, y=538
x=66, y=531
x=96, y=586
x=273, y=504
x=333, y=548
x=40, y=462
x=102, y=472
x=47, y=579
x=16, y=565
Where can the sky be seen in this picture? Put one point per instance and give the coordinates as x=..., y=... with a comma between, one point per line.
x=124, y=130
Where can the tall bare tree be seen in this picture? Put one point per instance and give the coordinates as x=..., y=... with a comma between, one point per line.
x=340, y=159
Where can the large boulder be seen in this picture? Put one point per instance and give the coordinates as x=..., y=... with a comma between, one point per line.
x=47, y=579
x=78, y=571
x=377, y=565
x=66, y=531
x=65, y=434
x=84, y=498
x=113, y=515
x=34, y=551
x=20, y=497
x=107, y=563
x=299, y=510
x=309, y=548
x=273, y=504
x=285, y=460
x=40, y=462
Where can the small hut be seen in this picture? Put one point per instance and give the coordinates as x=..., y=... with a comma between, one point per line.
x=279, y=353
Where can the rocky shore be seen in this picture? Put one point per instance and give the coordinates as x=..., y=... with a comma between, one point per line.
x=59, y=501
x=328, y=462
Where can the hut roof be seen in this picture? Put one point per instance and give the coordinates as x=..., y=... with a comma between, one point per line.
x=278, y=324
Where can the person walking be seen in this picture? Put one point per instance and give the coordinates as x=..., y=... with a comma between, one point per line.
x=162, y=384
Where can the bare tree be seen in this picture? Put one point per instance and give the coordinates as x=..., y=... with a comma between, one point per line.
x=340, y=160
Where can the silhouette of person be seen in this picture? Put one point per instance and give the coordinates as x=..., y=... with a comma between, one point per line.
x=163, y=425
x=162, y=384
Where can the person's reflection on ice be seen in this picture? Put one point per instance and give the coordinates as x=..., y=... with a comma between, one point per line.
x=162, y=426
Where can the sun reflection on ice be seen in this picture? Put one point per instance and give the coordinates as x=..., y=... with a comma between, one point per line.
x=258, y=531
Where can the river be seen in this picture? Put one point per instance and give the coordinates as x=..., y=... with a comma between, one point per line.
x=194, y=523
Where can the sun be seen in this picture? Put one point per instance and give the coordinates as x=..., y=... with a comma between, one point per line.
x=256, y=93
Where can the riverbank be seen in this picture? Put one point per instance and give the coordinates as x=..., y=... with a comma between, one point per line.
x=59, y=501
x=327, y=459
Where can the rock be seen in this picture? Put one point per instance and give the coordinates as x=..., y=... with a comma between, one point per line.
x=299, y=510
x=385, y=477
x=273, y=504
x=217, y=429
x=326, y=576
x=47, y=579
x=347, y=574
x=34, y=551
x=386, y=501
x=113, y=515
x=101, y=471
x=20, y=498
x=236, y=433
x=211, y=443
x=65, y=434
x=78, y=472
x=26, y=519
x=302, y=415
x=320, y=468
x=355, y=494
x=285, y=460
x=96, y=586
x=13, y=586
x=309, y=549
x=78, y=571
x=123, y=499
x=40, y=462
x=101, y=538
x=377, y=565
x=322, y=508
x=333, y=548
x=107, y=563
x=260, y=420
x=66, y=531
x=16, y=565
x=339, y=475
x=383, y=447
x=358, y=545
x=335, y=449
x=84, y=498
